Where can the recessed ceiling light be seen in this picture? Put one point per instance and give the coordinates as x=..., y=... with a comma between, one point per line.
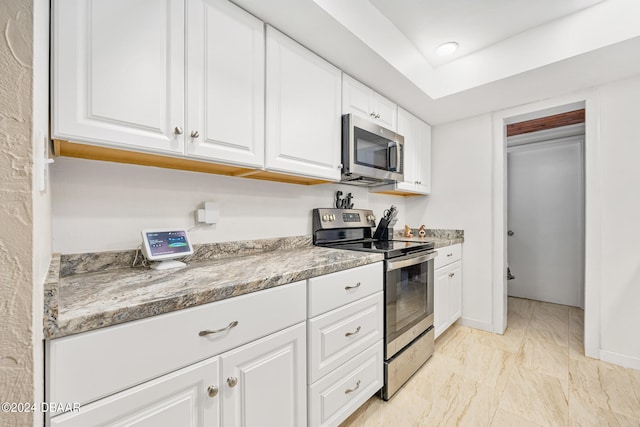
x=447, y=48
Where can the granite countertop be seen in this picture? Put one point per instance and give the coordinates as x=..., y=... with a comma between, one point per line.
x=439, y=237
x=84, y=292
x=79, y=300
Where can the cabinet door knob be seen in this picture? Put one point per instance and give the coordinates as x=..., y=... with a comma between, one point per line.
x=451, y=274
x=212, y=391
x=377, y=116
x=195, y=134
x=209, y=332
x=351, y=390
x=232, y=381
x=373, y=115
x=178, y=130
x=348, y=334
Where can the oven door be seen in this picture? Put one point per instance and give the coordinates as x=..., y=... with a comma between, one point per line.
x=408, y=300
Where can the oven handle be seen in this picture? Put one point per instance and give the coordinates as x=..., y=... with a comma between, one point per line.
x=406, y=262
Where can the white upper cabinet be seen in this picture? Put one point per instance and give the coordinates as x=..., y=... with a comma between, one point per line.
x=225, y=83
x=363, y=101
x=118, y=73
x=417, y=148
x=303, y=125
x=119, y=77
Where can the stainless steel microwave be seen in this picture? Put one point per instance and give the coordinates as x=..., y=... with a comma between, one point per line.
x=371, y=154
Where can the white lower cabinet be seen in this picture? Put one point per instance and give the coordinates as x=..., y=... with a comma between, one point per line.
x=447, y=288
x=234, y=383
x=177, y=399
x=337, y=395
x=264, y=383
x=236, y=362
x=344, y=342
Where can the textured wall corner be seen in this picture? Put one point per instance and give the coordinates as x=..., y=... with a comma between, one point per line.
x=16, y=208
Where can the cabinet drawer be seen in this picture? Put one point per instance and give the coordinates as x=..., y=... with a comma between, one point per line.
x=447, y=255
x=336, y=396
x=335, y=337
x=85, y=367
x=343, y=287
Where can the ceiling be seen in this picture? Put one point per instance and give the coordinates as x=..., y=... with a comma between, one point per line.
x=511, y=52
x=474, y=24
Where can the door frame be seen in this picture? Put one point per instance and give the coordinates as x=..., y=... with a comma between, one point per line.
x=593, y=222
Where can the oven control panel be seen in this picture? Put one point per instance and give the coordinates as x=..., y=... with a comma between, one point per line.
x=330, y=218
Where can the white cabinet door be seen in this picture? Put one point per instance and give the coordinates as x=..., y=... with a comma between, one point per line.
x=118, y=73
x=454, y=277
x=183, y=398
x=303, y=124
x=363, y=101
x=440, y=300
x=225, y=83
x=408, y=129
x=386, y=111
x=264, y=382
x=447, y=296
x=422, y=165
x=356, y=98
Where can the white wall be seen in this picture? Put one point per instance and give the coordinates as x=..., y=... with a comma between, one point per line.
x=462, y=183
x=462, y=199
x=619, y=159
x=101, y=206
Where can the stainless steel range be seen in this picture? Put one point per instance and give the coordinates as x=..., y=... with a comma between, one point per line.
x=408, y=286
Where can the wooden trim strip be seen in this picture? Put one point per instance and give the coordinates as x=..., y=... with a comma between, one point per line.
x=544, y=123
x=92, y=152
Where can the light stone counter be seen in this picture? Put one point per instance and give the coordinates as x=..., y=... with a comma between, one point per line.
x=90, y=291
x=441, y=238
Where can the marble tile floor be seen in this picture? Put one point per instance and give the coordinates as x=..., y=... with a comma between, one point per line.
x=535, y=374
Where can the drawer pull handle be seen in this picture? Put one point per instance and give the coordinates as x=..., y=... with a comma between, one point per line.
x=451, y=274
x=449, y=255
x=212, y=390
x=348, y=334
x=208, y=332
x=232, y=381
x=357, y=285
x=351, y=390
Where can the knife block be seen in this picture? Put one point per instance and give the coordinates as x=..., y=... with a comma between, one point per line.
x=384, y=231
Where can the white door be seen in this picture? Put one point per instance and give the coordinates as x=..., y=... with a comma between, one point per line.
x=304, y=118
x=187, y=397
x=264, y=382
x=225, y=83
x=423, y=158
x=118, y=73
x=546, y=221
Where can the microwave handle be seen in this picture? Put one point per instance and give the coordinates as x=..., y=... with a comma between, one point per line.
x=393, y=156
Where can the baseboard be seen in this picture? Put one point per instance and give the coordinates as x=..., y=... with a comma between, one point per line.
x=620, y=359
x=476, y=324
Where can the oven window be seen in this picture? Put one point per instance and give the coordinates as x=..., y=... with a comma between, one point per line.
x=407, y=298
x=371, y=149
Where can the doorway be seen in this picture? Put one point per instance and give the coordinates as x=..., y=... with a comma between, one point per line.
x=545, y=215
